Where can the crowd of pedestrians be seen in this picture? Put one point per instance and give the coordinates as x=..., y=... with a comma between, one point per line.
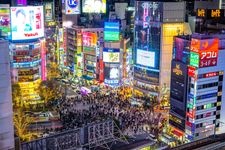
x=78, y=111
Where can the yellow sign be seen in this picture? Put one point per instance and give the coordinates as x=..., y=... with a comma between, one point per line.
x=201, y=12
x=177, y=70
x=215, y=13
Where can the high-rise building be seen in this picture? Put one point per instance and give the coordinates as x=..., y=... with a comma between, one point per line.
x=156, y=23
x=6, y=113
x=196, y=89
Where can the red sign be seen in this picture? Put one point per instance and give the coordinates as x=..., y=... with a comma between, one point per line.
x=89, y=39
x=208, y=52
x=195, y=45
x=101, y=70
x=211, y=74
x=191, y=71
x=188, y=123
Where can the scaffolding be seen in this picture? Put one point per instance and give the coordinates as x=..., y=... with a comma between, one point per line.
x=94, y=136
x=104, y=135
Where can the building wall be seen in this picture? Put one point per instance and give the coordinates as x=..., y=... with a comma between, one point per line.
x=169, y=30
x=219, y=67
x=6, y=113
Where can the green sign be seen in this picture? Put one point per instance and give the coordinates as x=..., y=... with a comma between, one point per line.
x=194, y=59
x=88, y=49
x=111, y=36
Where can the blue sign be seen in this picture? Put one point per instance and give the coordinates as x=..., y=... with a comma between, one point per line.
x=72, y=3
x=112, y=50
x=112, y=26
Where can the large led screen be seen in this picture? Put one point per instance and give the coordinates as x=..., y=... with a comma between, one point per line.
x=147, y=12
x=94, y=6
x=111, y=55
x=72, y=6
x=145, y=58
x=27, y=22
x=4, y=19
x=112, y=73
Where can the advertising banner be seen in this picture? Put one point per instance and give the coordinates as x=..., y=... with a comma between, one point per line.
x=208, y=52
x=111, y=55
x=94, y=6
x=112, y=74
x=204, y=53
x=111, y=31
x=148, y=12
x=27, y=22
x=72, y=6
x=4, y=19
x=145, y=58
x=146, y=76
x=194, y=59
x=49, y=11
x=89, y=39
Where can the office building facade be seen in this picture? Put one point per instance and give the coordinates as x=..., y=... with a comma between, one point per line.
x=197, y=107
x=6, y=112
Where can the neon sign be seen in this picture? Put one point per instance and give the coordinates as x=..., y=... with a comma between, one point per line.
x=194, y=59
x=211, y=74
x=215, y=13
x=191, y=71
x=201, y=12
x=177, y=70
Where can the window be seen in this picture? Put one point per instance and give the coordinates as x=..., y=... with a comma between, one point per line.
x=196, y=134
x=217, y=116
x=209, y=85
x=221, y=78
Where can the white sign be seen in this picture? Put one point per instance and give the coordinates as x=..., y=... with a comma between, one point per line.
x=72, y=6
x=146, y=58
x=27, y=22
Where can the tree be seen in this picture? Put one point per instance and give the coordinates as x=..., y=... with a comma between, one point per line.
x=21, y=123
x=49, y=90
x=16, y=96
x=53, y=71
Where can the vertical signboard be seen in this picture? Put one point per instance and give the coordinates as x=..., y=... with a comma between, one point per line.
x=4, y=19
x=72, y=6
x=208, y=52
x=49, y=11
x=43, y=61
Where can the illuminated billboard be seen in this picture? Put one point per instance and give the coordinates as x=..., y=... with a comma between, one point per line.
x=49, y=11
x=21, y=2
x=111, y=31
x=27, y=22
x=112, y=74
x=72, y=6
x=111, y=55
x=4, y=19
x=94, y=6
x=147, y=12
x=89, y=39
x=194, y=59
x=208, y=52
x=145, y=58
x=204, y=53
